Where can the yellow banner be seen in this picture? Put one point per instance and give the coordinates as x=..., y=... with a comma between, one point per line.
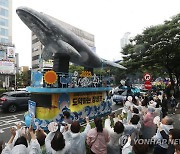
x=79, y=100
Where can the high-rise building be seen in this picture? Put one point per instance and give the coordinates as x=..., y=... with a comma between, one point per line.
x=9, y=62
x=37, y=47
x=125, y=40
x=5, y=21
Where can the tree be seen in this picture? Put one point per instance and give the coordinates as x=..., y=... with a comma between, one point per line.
x=157, y=48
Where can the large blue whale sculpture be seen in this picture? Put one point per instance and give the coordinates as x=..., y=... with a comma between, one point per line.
x=57, y=39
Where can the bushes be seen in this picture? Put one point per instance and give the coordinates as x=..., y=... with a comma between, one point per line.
x=2, y=91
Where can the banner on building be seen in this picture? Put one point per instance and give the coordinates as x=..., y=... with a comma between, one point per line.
x=10, y=52
x=7, y=67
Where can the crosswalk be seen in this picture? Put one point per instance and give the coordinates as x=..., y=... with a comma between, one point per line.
x=9, y=121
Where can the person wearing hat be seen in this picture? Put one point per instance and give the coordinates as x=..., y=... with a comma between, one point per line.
x=149, y=128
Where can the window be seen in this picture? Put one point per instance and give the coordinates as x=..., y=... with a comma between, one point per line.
x=4, y=3
x=2, y=54
x=20, y=95
x=28, y=95
x=35, y=40
x=4, y=22
x=3, y=12
x=4, y=32
x=35, y=66
x=35, y=57
x=4, y=40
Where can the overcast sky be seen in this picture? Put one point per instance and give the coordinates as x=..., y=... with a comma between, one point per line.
x=108, y=20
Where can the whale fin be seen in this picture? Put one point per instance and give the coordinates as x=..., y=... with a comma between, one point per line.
x=68, y=49
x=107, y=62
x=46, y=54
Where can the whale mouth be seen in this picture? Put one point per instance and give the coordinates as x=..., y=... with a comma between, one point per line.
x=32, y=19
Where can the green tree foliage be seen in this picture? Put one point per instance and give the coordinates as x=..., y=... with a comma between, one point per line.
x=156, y=49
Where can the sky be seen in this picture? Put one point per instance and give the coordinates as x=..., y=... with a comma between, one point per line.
x=107, y=20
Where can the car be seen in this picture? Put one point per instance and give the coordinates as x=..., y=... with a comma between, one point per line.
x=12, y=101
x=120, y=93
x=119, y=96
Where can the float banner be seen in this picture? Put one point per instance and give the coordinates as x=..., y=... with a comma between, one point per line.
x=80, y=100
x=31, y=108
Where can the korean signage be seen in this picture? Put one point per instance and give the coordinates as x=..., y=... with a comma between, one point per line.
x=80, y=100
x=7, y=67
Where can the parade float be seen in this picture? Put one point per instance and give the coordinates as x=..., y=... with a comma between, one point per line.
x=55, y=91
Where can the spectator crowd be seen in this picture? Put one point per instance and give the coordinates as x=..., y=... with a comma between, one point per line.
x=142, y=125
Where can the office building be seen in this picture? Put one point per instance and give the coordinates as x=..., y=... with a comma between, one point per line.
x=6, y=21
x=8, y=59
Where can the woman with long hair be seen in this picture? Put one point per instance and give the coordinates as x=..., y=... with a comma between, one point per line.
x=98, y=137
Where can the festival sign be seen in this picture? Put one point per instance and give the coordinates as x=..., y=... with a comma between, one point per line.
x=80, y=100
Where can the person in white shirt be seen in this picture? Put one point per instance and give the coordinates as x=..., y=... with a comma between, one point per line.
x=76, y=138
x=20, y=145
x=115, y=133
x=56, y=144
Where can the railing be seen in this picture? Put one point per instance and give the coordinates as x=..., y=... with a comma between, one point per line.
x=70, y=80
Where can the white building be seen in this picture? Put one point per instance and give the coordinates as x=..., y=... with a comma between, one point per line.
x=125, y=40
x=6, y=21
x=8, y=59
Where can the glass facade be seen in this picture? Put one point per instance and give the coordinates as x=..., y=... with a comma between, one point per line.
x=3, y=12
x=4, y=3
x=4, y=40
x=4, y=32
x=3, y=22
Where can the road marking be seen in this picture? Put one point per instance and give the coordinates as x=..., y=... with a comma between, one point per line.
x=10, y=122
x=2, y=129
x=11, y=116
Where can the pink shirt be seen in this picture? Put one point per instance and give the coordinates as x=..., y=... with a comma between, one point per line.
x=99, y=144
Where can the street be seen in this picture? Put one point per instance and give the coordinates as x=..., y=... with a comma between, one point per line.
x=8, y=120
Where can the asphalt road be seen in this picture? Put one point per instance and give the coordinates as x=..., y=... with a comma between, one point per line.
x=8, y=120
